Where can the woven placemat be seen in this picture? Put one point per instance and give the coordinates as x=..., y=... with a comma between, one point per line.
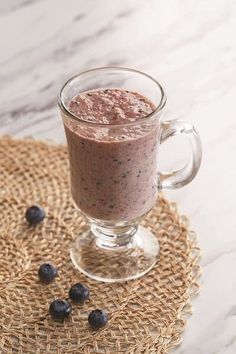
x=145, y=315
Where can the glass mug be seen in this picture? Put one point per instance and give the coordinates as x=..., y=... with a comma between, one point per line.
x=114, y=175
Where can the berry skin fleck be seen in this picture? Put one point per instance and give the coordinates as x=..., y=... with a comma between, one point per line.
x=97, y=319
x=78, y=293
x=34, y=215
x=60, y=309
x=47, y=273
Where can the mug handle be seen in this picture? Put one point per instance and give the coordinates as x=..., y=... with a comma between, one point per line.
x=186, y=174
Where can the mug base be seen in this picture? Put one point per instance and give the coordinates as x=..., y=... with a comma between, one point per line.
x=128, y=261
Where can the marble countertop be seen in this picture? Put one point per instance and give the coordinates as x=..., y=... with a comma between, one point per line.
x=190, y=46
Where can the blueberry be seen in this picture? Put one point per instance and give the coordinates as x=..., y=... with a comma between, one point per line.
x=34, y=215
x=47, y=273
x=78, y=293
x=97, y=319
x=60, y=309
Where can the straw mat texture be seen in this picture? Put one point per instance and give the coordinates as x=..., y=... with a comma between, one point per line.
x=145, y=315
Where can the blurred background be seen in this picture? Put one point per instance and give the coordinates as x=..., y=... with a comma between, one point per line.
x=190, y=47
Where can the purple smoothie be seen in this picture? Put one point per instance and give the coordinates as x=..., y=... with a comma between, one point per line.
x=113, y=167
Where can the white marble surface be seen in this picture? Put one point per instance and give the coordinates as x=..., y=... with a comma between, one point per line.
x=190, y=46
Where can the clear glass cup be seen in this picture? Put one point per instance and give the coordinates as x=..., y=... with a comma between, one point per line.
x=115, y=177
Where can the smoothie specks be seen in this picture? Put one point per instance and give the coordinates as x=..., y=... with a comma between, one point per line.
x=113, y=170
x=139, y=173
x=110, y=106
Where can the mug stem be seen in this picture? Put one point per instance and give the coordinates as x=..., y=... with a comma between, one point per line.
x=113, y=237
x=115, y=253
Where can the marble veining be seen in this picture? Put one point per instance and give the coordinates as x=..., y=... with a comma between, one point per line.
x=190, y=46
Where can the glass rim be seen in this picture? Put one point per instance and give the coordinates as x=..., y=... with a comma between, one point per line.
x=66, y=111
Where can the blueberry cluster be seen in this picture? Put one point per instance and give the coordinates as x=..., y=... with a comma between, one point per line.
x=60, y=309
